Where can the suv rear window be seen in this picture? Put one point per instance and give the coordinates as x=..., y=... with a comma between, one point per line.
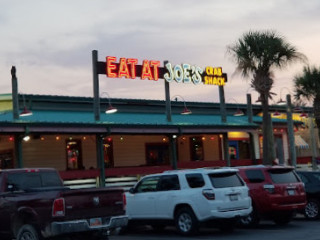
x=255, y=176
x=283, y=176
x=224, y=180
x=195, y=180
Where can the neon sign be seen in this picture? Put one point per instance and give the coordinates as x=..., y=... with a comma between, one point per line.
x=183, y=73
x=214, y=76
x=127, y=67
x=151, y=70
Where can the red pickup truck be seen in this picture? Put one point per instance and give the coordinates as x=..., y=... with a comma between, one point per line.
x=34, y=204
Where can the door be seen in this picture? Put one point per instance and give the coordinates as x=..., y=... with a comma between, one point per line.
x=167, y=195
x=141, y=201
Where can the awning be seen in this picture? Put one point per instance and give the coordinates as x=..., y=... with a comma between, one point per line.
x=300, y=142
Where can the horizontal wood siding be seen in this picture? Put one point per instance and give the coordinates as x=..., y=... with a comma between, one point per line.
x=45, y=153
x=89, y=152
x=130, y=151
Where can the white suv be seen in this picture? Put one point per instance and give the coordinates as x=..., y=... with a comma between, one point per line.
x=188, y=198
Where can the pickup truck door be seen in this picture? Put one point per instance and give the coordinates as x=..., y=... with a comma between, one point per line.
x=141, y=201
x=4, y=224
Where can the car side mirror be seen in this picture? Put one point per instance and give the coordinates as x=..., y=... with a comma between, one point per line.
x=132, y=191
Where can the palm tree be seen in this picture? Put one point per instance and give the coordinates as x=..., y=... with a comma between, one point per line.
x=307, y=86
x=257, y=54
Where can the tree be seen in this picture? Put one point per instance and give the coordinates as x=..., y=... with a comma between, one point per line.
x=307, y=86
x=257, y=54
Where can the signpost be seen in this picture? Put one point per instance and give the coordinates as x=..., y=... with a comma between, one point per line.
x=151, y=70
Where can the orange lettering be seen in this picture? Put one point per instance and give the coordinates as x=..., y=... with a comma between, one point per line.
x=146, y=71
x=133, y=62
x=123, y=69
x=111, y=66
x=155, y=65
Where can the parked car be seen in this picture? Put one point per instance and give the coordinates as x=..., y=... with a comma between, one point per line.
x=277, y=193
x=311, y=180
x=188, y=198
x=34, y=204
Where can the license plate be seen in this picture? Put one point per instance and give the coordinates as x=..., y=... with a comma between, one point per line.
x=95, y=222
x=233, y=197
x=291, y=192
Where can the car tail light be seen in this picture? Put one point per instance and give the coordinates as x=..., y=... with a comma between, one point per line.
x=209, y=194
x=58, y=208
x=269, y=188
x=124, y=200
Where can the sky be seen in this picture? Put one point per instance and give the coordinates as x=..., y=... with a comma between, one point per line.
x=51, y=43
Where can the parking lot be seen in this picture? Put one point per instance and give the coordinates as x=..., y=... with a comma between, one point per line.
x=298, y=229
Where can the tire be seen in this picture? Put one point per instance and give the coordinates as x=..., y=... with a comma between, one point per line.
x=186, y=222
x=283, y=219
x=28, y=232
x=252, y=220
x=311, y=210
x=228, y=226
x=158, y=227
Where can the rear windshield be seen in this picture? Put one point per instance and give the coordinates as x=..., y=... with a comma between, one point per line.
x=224, y=180
x=283, y=176
x=23, y=181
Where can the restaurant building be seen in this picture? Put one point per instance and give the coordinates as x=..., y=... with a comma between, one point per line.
x=79, y=137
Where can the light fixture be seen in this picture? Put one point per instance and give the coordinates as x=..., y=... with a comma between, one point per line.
x=276, y=114
x=26, y=138
x=303, y=115
x=259, y=99
x=185, y=111
x=297, y=109
x=26, y=111
x=110, y=109
x=280, y=101
x=238, y=112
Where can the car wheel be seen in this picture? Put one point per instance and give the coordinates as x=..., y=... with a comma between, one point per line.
x=252, y=220
x=186, y=222
x=311, y=210
x=28, y=232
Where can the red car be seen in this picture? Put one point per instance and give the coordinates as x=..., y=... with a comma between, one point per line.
x=277, y=193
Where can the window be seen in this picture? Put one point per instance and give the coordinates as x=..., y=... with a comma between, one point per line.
x=195, y=180
x=316, y=175
x=23, y=181
x=304, y=178
x=255, y=176
x=51, y=179
x=196, y=148
x=283, y=176
x=224, y=180
x=168, y=183
x=157, y=154
x=74, y=156
x=148, y=184
x=108, y=152
x=6, y=159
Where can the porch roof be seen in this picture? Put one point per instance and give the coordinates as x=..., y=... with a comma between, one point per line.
x=123, y=118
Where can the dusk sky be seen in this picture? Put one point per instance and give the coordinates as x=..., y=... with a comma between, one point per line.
x=50, y=42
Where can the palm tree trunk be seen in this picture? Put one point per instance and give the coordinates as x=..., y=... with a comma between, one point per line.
x=267, y=131
x=316, y=114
